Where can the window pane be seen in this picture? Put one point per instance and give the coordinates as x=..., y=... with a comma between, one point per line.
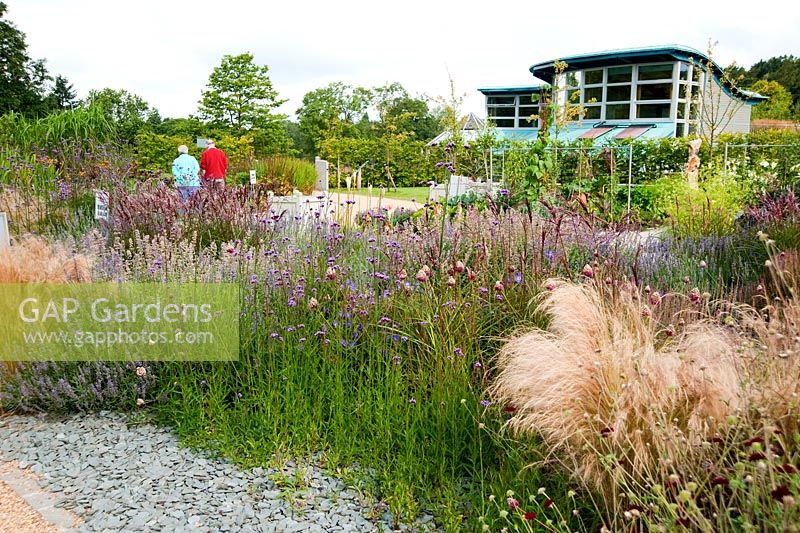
x=652, y=111
x=684, y=71
x=697, y=72
x=573, y=79
x=592, y=77
x=500, y=100
x=591, y=112
x=528, y=111
x=618, y=93
x=695, y=92
x=618, y=112
x=595, y=93
x=525, y=123
x=692, y=128
x=683, y=91
x=654, y=91
x=504, y=123
x=502, y=112
x=529, y=99
x=679, y=130
x=682, y=111
x=655, y=72
x=574, y=96
x=619, y=74
x=693, y=111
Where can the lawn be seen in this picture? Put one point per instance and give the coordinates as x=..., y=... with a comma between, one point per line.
x=420, y=194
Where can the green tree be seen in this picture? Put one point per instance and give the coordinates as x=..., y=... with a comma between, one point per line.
x=336, y=110
x=240, y=96
x=130, y=112
x=403, y=113
x=779, y=105
x=63, y=95
x=23, y=81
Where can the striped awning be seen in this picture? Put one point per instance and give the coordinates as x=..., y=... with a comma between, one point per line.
x=631, y=132
x=594, y=133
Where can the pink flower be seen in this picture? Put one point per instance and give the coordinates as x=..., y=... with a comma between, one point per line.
x=330, y=273
x=694, y=295
x=655, y=298
x=550, y=286
x=402, y=274
x=472, y=276
x=460, y=267
x=451, y=281
x=587, y=271
x=422, y=276
x=513, y=503
x=498, y=286
x=141, y=371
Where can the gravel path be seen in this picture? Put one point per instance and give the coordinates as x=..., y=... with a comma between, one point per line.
x=120, y=476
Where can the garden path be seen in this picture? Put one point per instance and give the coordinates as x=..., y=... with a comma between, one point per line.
x=116, y=473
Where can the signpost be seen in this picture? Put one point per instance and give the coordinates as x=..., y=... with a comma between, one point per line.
x=100, y=205
x=252, y=177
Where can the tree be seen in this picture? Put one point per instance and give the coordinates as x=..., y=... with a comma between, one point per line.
x=336, y=110
x=779, y=105
x=22, y=80
x=240, y=95
x=63, y=95
x=403, y=113
x=129, y=111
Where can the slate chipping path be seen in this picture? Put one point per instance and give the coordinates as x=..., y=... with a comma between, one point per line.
x=118, y=477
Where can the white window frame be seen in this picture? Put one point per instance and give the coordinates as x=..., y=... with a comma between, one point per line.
x=518, y=103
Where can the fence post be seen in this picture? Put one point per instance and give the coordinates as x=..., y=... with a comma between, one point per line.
x=630, y=174
x=725, y=158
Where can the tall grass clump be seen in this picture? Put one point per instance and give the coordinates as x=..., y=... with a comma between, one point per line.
x=34, y=259
x=78, y=124
x=283, y=174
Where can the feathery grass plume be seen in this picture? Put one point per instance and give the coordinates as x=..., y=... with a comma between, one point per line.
x=35, y=260
x=608, y=396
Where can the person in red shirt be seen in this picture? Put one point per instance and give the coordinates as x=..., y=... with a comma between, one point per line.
x=213, y=165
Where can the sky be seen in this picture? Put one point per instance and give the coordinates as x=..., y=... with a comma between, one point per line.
x=165, y=50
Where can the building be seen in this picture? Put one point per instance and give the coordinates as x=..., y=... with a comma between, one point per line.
x=654, y=92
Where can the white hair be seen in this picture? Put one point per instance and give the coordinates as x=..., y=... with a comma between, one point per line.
x=210, y=143
x=183, y=149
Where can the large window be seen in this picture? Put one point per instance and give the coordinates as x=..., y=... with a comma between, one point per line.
x=512, y=111
x=688, y=98
x=628, y=92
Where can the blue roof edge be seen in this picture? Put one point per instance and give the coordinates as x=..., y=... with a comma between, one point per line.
x=679, y=52
x=520, y=89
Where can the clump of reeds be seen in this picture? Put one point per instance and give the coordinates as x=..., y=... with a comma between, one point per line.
x=612, y=395
x=34, y=259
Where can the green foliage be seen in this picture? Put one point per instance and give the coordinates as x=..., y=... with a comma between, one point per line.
x=239, y=95
x=779, y=105
x=783, y=69
x=157, y=152
x=128, y=111
x=709, y=211
x=283, y=174
x=336, y=110
x=408, y=163
x=71, y=125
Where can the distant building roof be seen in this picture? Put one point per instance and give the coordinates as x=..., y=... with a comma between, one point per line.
x=511, y=90
x=472, y=128
x=546, y=70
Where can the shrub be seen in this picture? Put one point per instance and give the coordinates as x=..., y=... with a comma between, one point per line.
x=283, y=174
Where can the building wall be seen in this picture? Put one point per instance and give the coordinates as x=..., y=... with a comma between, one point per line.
x=730, y=115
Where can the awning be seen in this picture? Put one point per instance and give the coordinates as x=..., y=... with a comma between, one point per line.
x=631, y=132
x=594, y=133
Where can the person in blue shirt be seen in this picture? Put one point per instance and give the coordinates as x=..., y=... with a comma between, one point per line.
x=185, y=169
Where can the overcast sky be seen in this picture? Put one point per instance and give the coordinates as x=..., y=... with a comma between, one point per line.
x=165, y=50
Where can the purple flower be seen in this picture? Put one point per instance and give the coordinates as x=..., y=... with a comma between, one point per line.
x=412, y=401
x=485, y=403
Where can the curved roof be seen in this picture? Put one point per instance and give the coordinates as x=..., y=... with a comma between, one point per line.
x=511, y=90
x=546, y=71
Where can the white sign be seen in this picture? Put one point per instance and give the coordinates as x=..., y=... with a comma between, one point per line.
x=5, y=241
x=100, y=205
x=252, y=177
x=202, y=143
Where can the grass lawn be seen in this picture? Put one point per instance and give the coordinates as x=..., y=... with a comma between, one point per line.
x=420, y=194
